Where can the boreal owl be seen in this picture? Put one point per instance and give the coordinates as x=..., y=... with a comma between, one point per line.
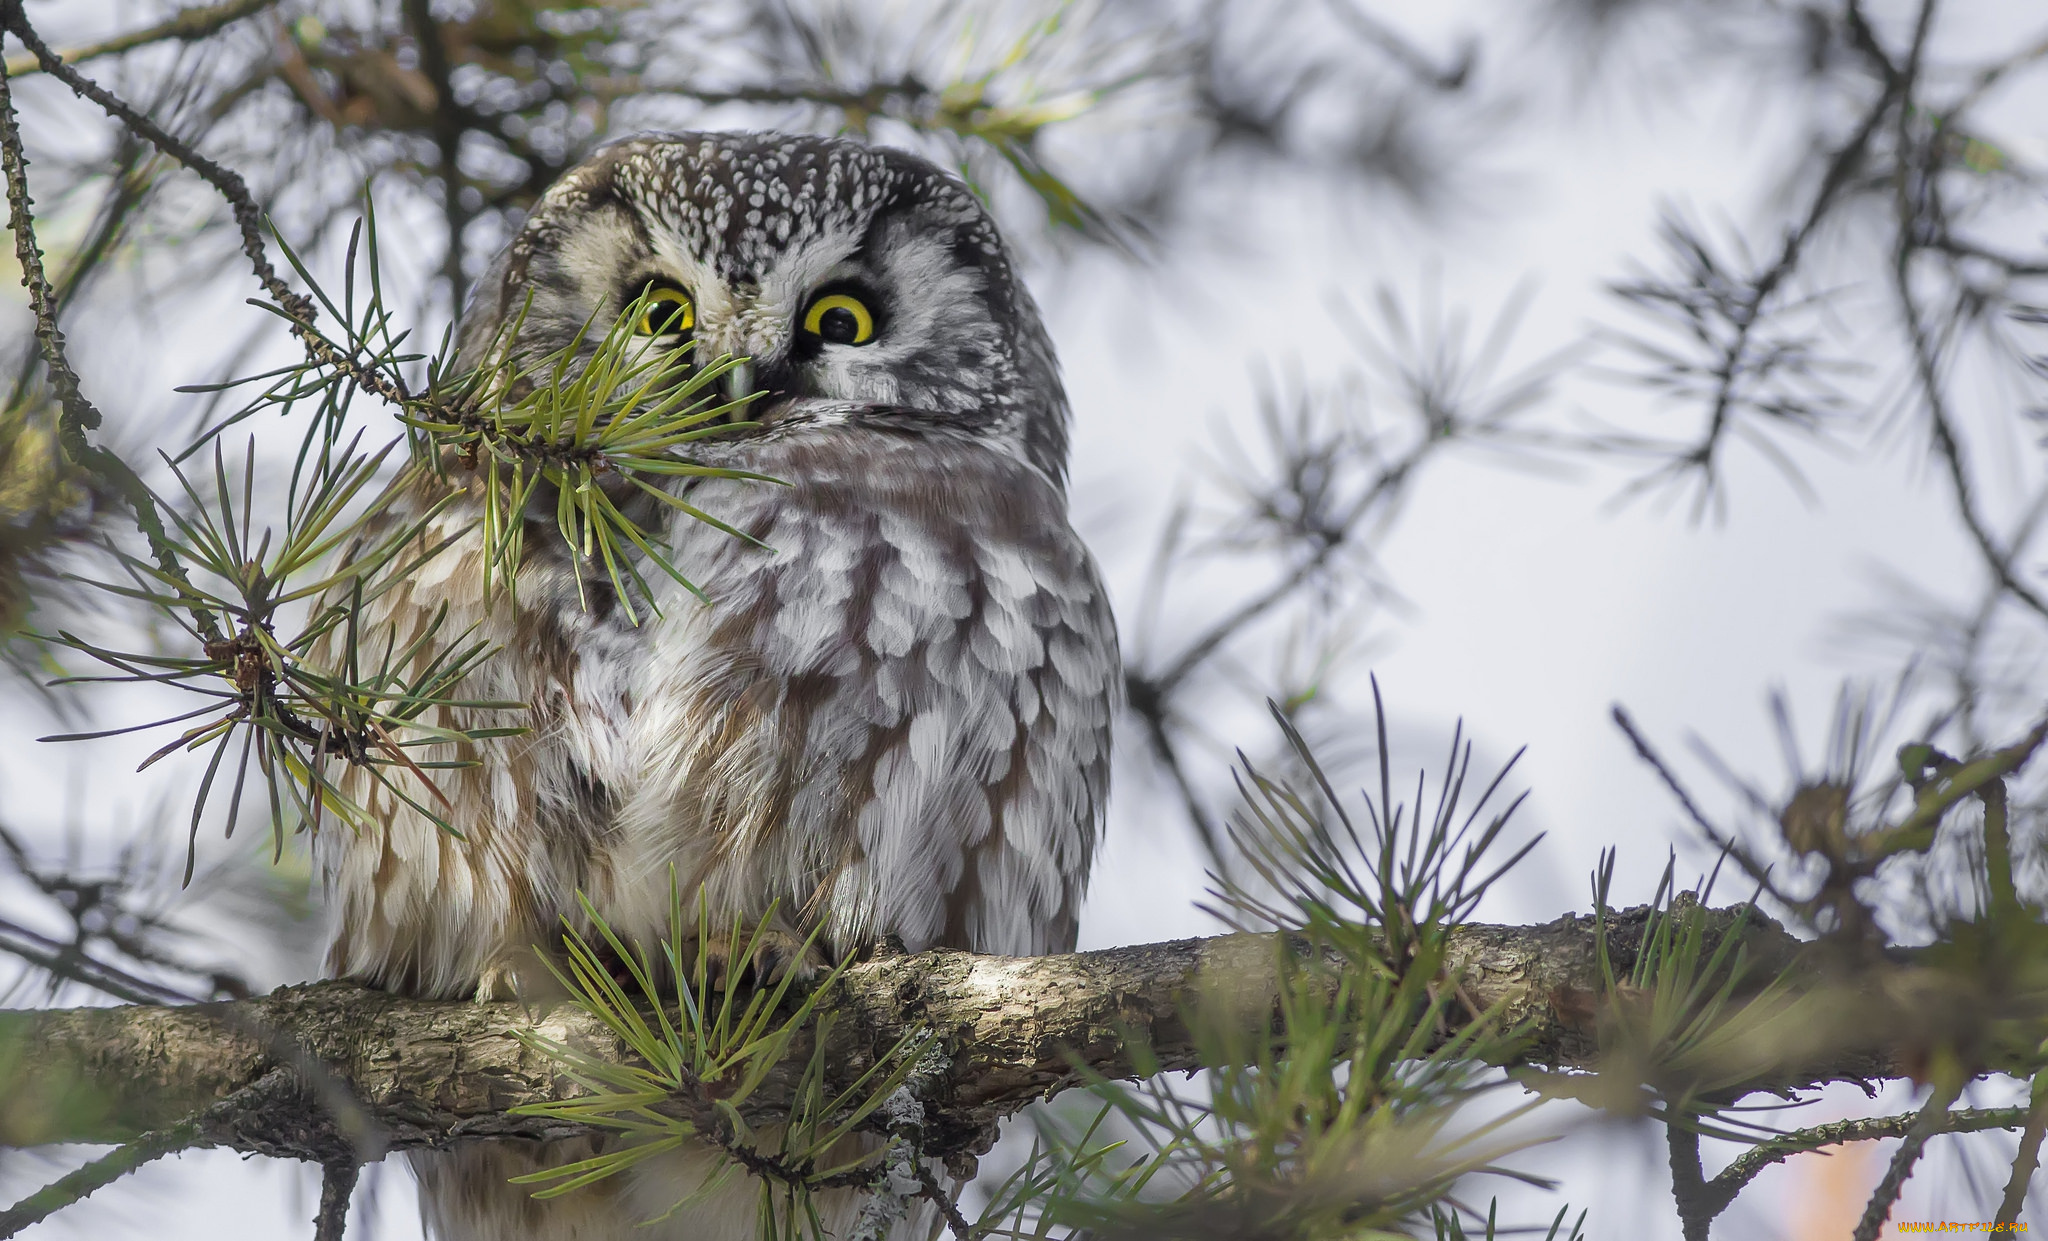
x=890, y=715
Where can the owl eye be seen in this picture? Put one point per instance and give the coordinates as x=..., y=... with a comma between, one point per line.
x=841, y=319
x=668, y=312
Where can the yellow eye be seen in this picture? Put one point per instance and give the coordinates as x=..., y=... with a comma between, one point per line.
x=841, y=319
x=668, y=312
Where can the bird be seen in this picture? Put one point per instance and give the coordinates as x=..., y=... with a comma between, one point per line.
x=886, y=715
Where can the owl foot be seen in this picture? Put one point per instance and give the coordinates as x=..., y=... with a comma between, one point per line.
x=779, y=953
x=498, y=982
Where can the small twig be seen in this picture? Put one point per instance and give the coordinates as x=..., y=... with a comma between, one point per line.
x=337, y=1186
x=1149, y=703
x=299, y=308
x=1697, y=1202
x=1197, y=652
x=2028, y=1159
x=187, y=26
x=229, y=184
x=79, y=415
x=99, y=911
x=1744, y=1169
x=99, y=1173
x=123, y=1160
x=1930, y=1120
x=70, y=962
x=1404, y=53
x=936, y=1194
x=1656, y=762
x=1948, y=445
x=1926, y=356
x=1994, y=73
x=448, y=131
x=1841, y=169
x=2005, y=900
x=874, y=99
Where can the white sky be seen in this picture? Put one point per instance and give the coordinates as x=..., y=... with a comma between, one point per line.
x=1536, y=603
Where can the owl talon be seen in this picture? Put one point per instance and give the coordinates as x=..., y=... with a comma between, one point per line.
x=497, y=983
x=778, y=953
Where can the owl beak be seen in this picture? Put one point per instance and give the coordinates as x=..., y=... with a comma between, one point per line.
x=739, y=381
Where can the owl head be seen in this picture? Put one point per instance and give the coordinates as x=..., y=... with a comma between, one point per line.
x=860, y=282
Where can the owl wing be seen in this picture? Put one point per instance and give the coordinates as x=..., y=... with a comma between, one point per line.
x=452, y=908
x=1034, y=674
x=929, y=669
x=889, y=715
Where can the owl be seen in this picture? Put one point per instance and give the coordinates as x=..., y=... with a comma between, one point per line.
x=889, y=714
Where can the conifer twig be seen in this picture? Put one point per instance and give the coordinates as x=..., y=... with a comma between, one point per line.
x=2027, y=1160
x=1931, y=1119
x=298, y=308
x=229, y=184
x=1696, y=1201
x=337, y=1186
x=107, y=1169
x=78, y=413
x=1745, y=1167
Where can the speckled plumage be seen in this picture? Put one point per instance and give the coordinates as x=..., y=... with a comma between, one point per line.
x=894, y=721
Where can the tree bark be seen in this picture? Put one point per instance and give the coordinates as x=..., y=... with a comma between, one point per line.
x=393, y=1073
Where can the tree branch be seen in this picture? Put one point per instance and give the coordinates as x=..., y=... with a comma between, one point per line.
x=187, y=26
x=1014, y=1029
x=1701, y=1201
x=2028, y=1159
x=448, y=129
x=1932, y=1119
x=225, y=181
x=337, y=1186
x=73, y=964
x=114, y=1165
x=79, y=414
x=1744, y=1168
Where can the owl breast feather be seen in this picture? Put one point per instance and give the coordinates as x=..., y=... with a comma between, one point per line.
x=891, y=719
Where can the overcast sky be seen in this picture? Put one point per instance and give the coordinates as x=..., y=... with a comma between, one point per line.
x=1536, y=603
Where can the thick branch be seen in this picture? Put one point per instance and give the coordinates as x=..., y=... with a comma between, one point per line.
x=1014, y=1029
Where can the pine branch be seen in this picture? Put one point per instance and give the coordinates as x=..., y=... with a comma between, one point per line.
x=1701, y=1201
x=337, y=1186
x=2028, y=1160
x=1745, y=1167
x=1931, y=1119
x=225, y=181
x=299, y=309
x=79, y=415
x=108, y=1168
x=1013, y=1029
